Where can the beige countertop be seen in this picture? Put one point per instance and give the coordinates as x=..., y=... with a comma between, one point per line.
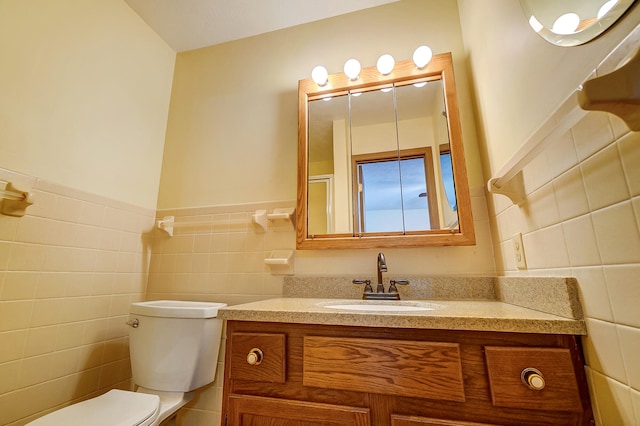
x=477, y=315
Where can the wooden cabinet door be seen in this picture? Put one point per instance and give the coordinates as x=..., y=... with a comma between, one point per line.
x=424, y=421
x=245, y=410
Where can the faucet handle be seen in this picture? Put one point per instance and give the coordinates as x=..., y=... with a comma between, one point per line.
x=367, y=284
x=392, y=285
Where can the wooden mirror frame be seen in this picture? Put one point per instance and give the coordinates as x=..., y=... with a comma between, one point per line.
x=440, y=67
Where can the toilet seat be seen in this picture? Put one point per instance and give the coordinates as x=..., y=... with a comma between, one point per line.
x=114, y=408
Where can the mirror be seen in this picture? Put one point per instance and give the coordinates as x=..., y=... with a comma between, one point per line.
x=573, y=22
x=381, y=160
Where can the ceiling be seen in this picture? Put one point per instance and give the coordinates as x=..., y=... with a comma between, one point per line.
x=192, y=24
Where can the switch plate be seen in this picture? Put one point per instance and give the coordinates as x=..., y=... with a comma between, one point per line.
x=518, y=251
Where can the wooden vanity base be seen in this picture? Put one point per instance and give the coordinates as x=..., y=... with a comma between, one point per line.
x=308, y=375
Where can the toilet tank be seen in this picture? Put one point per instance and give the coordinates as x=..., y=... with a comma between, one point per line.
x=175, y=345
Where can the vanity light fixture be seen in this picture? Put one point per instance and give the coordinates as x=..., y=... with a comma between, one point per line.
x=320, y=75
x=422, y=56
x=385, y=64
x=605, y=8
x=535, y=24
x=566, y=24
x=352, y=69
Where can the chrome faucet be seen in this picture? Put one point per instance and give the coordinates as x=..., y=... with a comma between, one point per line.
x=382, y=267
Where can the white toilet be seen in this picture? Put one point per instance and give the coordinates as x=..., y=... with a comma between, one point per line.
x=174, y=349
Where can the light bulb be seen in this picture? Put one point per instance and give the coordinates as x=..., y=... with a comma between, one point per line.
x=605, y=8
x=385, y=64
x=320, y=75
x=419, y=85
x=352, y=69
x=422, y=56
x=566, y=24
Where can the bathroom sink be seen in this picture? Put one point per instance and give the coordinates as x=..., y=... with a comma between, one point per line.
x=381, y=306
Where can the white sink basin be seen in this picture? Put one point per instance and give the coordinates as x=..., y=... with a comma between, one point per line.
x=382, y=306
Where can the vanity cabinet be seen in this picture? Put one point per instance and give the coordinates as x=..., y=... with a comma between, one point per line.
x=281, y=374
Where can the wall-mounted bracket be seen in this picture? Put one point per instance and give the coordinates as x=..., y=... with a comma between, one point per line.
x=166, y=224
x=513, y=188
x=260, y=219
x=14, y=202
x=280, y=262
x=287, y=214
x=617, y=93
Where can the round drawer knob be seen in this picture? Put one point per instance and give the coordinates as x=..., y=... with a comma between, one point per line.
x=254, y=357
x=533, y=379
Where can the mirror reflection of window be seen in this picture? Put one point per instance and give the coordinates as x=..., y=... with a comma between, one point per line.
x=386, y=208
x=380, y=198
x=447, y=179
x=395, y=194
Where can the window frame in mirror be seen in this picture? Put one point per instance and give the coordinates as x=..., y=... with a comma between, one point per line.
x=405, y=72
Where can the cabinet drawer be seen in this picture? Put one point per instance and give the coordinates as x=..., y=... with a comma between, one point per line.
x=392, y=367
x=505, y=366
x=258, y=357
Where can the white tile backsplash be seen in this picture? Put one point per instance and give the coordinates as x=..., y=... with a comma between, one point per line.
x=590, y=229
x=623, y=285
x=602, y=350
x=630, y=347
x=593, y=292
x=629, y=147
x=617, y=234
x=604, y=178
x=570, y=194
x=592, y=133
x=580, y=238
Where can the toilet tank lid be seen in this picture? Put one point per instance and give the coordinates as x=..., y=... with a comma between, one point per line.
x=176, y=309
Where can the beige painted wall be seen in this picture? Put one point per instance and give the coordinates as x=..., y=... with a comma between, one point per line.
x=231, y=149
x=232, y=130
x=85, y=96
x=520, y=79
x=581, y=214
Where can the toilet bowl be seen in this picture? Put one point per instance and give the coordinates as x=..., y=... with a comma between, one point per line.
x=174, y=349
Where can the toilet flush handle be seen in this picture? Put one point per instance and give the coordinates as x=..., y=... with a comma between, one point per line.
x=133, y=323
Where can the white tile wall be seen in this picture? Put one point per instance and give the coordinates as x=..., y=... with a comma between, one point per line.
x=581, y=217
x=69, y=269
